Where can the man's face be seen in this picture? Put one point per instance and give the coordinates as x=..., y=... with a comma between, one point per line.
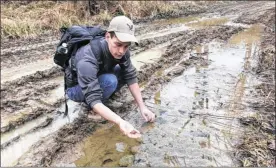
x=116, y=47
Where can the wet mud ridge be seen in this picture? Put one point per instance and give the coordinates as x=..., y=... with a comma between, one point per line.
x=193, y=72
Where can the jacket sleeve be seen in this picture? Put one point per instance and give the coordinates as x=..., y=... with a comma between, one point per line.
x=87, y=69
x=129, y=73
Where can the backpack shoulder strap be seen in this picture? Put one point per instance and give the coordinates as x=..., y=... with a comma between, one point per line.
x=91, y=33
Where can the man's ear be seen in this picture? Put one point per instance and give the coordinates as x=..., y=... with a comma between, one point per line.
x=107, y=35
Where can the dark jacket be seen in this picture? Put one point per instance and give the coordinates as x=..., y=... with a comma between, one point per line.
x=95, y=59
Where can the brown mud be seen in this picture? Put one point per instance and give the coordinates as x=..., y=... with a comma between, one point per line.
x=173, y=55
x=36, y=97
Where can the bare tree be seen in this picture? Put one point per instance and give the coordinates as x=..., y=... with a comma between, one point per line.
x=93, y=7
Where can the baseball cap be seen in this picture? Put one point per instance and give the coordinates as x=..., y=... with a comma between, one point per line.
x=123, y=28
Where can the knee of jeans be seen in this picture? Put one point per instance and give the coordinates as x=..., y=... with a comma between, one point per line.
x=109, y=81
x=75, y=94
x=112, y=81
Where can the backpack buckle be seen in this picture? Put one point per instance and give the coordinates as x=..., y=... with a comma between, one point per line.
x=63, y=29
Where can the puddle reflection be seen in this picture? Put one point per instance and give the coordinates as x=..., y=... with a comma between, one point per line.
x=157, y=98
x=181, y=20
x=106, y=147
x=249, y=36
x=208, y=22
x=201, y=88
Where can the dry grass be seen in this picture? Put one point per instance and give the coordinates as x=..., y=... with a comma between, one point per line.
x=254, y=150
x=258, y=145
x=23, y=18
x=266, y=61
x=38, y=17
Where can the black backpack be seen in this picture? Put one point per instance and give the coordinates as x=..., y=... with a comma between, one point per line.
x=72, y=38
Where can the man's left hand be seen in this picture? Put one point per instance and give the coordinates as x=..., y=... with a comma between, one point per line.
x=147, y=114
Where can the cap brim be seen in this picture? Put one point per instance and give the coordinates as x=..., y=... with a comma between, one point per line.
x=124, y=37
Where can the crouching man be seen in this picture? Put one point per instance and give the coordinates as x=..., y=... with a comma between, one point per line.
x=104, y=66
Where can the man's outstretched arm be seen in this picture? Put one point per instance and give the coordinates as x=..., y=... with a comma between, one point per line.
x=136, y=93
x=109, y=115
x=130, y=76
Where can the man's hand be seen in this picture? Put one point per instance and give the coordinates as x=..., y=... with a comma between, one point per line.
x=147, y=114
x=128, y=130
x=136, y=93
x=109, y=115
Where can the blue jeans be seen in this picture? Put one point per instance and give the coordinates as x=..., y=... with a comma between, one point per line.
x=108, y=82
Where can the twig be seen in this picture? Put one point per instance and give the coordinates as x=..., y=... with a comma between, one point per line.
x=142, y=62
x=184, y=161
x=267, y=96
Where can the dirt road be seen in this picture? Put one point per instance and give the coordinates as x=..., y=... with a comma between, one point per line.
x=195, y=74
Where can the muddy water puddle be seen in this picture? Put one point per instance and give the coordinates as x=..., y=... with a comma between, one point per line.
x=195, y=124
x=198, y=112
x=188, y=124
x=181, y=20
x=148, y=56
x=248, y=37
x=106, y=147
x=172, y=26
x=197, y=116
x=208, y=22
